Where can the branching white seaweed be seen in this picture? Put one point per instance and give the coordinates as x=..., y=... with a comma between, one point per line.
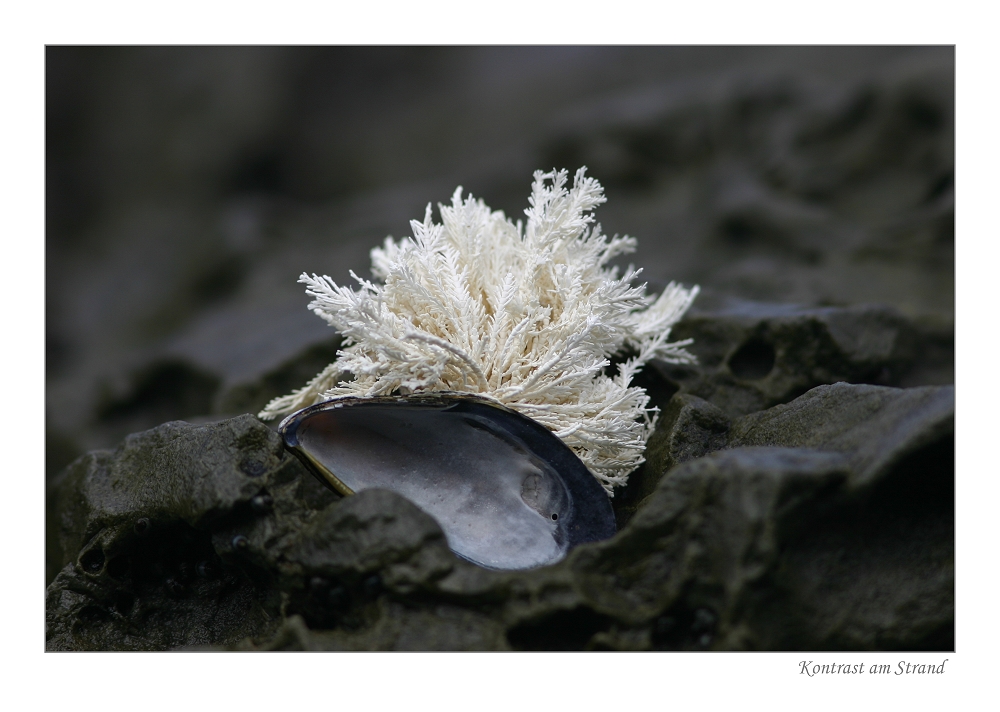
x=526, y=316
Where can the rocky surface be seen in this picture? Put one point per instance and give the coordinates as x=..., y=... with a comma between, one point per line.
x=754, y=355
x=798, y=491
x=824, y=523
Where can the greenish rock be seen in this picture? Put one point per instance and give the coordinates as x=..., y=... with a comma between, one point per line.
x=826, y=523
x=876, y=427
x=687, y=428
x=774, y=549
x=156, y=545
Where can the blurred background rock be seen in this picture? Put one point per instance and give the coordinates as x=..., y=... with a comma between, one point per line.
x=187, y=188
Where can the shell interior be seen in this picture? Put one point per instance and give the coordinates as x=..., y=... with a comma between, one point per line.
x=507, y=493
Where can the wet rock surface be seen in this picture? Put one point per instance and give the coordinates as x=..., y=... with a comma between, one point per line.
x=824, y=523
x=754, y=356
x=153, y=545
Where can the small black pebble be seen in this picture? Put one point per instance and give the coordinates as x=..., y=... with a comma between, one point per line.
x=318, y=584
x=141, y=526
x=262, y=503
x=705, y=640
x=240, y=542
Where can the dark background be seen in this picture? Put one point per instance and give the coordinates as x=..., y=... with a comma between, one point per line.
x=187, y=188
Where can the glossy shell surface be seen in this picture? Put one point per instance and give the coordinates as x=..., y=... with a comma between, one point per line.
x=507, y=492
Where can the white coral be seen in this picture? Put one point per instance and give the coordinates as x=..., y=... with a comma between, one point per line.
x=527, y=317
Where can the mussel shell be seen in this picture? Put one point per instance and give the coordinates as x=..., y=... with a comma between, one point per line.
x=507, y=493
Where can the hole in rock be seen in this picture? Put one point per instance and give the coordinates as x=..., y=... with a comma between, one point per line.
x=92, y=561
x=753, y=360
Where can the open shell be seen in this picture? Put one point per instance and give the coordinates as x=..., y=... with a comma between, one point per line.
x=507, y=493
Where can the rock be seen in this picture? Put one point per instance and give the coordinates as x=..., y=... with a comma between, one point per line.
x=826, y=523
x=694, y=565
x=688, y=427
x=842, y=509
x=773, y=549
x=876, y=427
x=753, y=356
x=192, y=536
x=157, y=544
